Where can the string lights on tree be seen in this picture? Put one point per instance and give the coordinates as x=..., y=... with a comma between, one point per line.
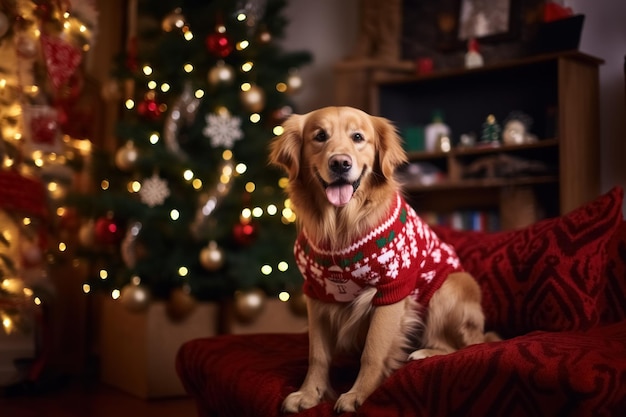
x=44, y=132
x=203, y=87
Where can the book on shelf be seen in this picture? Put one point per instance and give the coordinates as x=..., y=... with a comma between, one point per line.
x=476, y=220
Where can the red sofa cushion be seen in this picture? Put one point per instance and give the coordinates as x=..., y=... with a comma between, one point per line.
x=539, y=374
x=548, y=276
x=614, y=300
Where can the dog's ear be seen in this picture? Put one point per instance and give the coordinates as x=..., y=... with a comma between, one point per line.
x=390, y=152
x=285, y=149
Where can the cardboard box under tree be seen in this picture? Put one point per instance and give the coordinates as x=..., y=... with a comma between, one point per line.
x=138, y=350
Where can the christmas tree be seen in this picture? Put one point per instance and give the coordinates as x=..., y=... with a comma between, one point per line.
x=42, y=128
x=187, y=206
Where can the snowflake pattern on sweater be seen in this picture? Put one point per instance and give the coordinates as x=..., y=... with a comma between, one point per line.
x=401, y=257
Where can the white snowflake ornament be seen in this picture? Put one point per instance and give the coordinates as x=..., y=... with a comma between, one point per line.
x=154, y=191
x=223, y=129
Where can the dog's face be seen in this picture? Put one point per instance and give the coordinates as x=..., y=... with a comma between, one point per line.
x=338, y=150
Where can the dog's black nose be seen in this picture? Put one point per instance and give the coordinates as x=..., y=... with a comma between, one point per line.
x=340, y=164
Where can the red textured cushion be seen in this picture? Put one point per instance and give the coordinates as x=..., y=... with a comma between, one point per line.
x=548, y=276
x=614, y=302
x=250, y=375
x=574, y=374
x=541, y=374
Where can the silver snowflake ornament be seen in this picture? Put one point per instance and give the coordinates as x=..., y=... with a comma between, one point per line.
x=154, y=191
x=223, y=129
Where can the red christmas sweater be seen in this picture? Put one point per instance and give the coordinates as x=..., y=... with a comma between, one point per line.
x=401, y=257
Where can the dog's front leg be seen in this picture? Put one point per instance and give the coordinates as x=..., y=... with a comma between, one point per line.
x=382, y=336
x=316, y=384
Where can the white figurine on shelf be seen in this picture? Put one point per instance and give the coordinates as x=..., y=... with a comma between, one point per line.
x=473, y=58
x=434, y=131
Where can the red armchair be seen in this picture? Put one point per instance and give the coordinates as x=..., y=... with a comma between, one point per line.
x=556, y=290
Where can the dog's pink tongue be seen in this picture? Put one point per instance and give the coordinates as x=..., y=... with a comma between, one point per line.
x=339, y=195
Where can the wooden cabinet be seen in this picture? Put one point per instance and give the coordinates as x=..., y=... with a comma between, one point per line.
x=352, y=78
x=560, y=94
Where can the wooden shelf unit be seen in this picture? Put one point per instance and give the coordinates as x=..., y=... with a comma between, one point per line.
x=561, y=94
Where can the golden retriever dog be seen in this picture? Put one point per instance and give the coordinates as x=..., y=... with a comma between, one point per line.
x=378, y=281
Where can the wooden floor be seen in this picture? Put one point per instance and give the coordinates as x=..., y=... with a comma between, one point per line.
x=90, y=399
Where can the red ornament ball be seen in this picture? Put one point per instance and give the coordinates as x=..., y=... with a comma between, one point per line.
x=245, y=233
x=44, y=125
x=281, y=114
x=180, y=304
x=70, y=91
x=219, y=44
x=21, y=22
x=149, y=108
x=108, y=231
x=70, y=219
x=44, y=10
x=62, y=117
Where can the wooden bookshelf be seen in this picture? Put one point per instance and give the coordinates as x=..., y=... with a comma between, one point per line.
x=561, y=94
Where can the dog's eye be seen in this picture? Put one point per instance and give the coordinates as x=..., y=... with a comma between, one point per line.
x=321, y=136
x=357, y=137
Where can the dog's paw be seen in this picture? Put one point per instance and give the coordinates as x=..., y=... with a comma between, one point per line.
x=301, y=400
x=492, y=337
x=424, y=353
x=349, y=402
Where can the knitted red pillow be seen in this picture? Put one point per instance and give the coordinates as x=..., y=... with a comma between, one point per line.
x=614, y=307
x=548, y=276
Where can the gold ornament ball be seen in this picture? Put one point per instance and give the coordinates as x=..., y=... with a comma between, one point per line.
x=135, y=298
x=31, y=253
x=111, y=90
x=253, y=99
x=4, y=24
x=13, y=285
x=173, y=20
x=26, y=46
x=126, y=156
x=265, y=36
x=10, y=94
x=129, y=88
x=180, y=304
x=249, y=304
x=294, y=82
x=87, y=234
x=297, y=304
x=57, y=192
x=221, y=74
x=212, y=257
